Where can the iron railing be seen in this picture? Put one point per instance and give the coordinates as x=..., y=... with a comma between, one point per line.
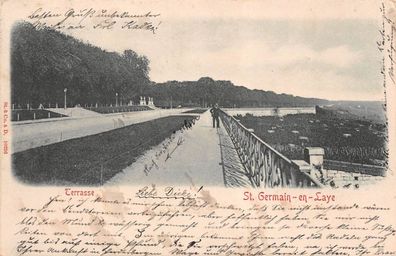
x=264, y=166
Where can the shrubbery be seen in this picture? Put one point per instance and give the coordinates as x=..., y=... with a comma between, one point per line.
x=350, y=140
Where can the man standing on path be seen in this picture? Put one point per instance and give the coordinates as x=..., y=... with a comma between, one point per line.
x=215, y=111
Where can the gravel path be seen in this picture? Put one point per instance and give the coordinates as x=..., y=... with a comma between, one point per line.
x=189, y=157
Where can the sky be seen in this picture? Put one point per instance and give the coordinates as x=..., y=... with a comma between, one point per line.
x=311, y=50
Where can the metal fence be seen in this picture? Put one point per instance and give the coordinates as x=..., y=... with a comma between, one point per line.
x=264, y=166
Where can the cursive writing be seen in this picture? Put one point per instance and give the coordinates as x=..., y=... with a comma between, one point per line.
x=91, y=18
x=181, y=221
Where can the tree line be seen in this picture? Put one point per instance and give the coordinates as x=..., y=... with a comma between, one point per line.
x=44, y=62
x=206, y=92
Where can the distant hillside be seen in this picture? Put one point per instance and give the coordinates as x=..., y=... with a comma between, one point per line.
x=369, y=110
x=45, y=62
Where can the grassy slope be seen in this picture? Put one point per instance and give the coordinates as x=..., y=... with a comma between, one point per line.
x=79, y=161
x=196, y=111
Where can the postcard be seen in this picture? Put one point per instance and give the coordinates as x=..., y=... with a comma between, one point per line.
x=174, y=127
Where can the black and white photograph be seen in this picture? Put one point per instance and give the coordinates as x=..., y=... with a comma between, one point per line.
x=106, y=97
x=205, y=127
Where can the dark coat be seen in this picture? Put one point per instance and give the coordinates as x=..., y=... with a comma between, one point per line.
x=215, y=112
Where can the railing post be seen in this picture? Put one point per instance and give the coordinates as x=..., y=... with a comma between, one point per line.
x=294, y=178
x=314, y=156
x=302, y=167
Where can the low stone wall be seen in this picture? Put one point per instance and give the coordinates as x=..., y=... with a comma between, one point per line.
x=338, y=174
x=270, y=111
x=352, y=180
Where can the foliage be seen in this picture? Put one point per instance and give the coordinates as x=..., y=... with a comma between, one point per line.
x=343, y=139
x=206, y=92
x=106, y=110
x=44, y=62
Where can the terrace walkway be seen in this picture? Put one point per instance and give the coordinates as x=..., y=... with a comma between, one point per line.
x=198, y=156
